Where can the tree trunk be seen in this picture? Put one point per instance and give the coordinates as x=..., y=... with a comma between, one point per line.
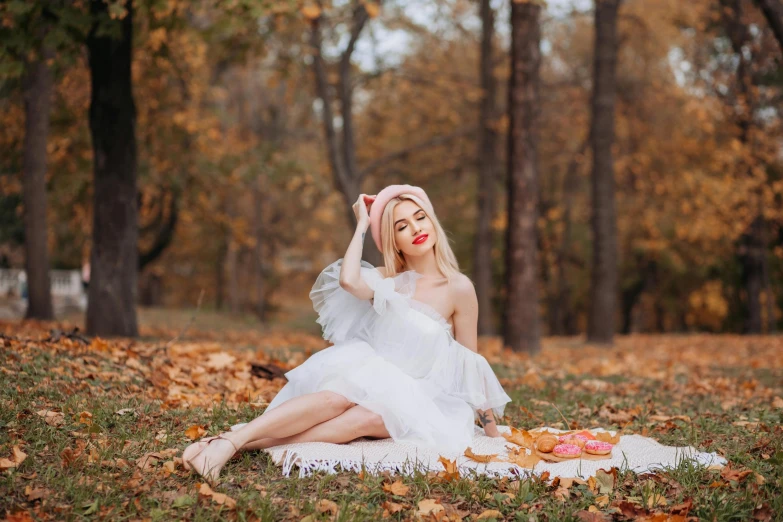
x=521, y=319
x=258, y=253
x=37, y=105
x=342, y=152
x=751, y=255
x=773, y=12
x=487, y=173
x=114, y=265
x=601, y=318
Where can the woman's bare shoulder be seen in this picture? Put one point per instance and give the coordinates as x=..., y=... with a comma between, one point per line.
x=381, y=270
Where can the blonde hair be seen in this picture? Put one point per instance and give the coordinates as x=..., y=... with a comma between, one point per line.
x=394, y=261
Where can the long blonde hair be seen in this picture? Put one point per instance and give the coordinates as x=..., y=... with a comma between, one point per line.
x=394, y=261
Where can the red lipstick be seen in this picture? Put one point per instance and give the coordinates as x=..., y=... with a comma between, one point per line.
x=420, y=239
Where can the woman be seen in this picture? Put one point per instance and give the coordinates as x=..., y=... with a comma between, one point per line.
x=404, y=361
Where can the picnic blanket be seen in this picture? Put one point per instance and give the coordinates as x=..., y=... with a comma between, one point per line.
x=635, y=452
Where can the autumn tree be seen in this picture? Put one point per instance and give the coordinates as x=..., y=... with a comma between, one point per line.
x=521, y=311
x=601, y=324
x=111, y=309
x=487, y=167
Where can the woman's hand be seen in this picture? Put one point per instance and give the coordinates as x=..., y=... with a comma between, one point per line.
x=361, y=209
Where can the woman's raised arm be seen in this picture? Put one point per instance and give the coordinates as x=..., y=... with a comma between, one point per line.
x=350, y=272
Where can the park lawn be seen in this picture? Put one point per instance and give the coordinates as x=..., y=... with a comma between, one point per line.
x=92, y=429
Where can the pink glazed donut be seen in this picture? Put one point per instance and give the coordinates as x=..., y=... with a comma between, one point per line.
x=596, y=447
x=567, y=451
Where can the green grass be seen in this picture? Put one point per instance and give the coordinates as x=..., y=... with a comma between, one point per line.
x=96, y=485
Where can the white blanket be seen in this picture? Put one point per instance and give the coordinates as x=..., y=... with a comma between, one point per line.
x=635, y=452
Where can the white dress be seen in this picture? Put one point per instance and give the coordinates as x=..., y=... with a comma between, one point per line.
x=397, y=357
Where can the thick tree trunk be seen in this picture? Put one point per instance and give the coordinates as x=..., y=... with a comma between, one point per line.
x=601, y=318
x=114, y=264
x=487, y=173
x=773, y=12
x=37, y=104
x=522, y=330
x=751, y=256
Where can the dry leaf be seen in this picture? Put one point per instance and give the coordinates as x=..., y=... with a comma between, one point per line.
x=35, y=494
x=397, y=488
x=602, y=500
x=490, y=513
x=85, y=417
x=479, y=458
x=606, y=480
x=17, y=456
x=392, y=507
x=522, y=459
x=324, y=505
x=605, y=436
x=452, y=473
x=52, y=418
x=519, y=437
x=429, y=506
x=777, y=402
x=218, y=498
x=195, y=432
x=220, y=360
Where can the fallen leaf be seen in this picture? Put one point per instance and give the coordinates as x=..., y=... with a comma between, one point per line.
x=195, y=432
x=479, y=458
x=522, y=459
x=85, y=417
x=602, y=500
x=452, y=473
x=592, y=516
x=33, y=494
x=490, y=513
x=605, y=480
x=605, y=436
x=777, y=402
x=429, y=506
x=220, y=360
x=324, y=505
x=519, y=437
x=125, y=411
x=52, y=418
x=218, y=498
x=397, y=488
x=17, y=456
x=730, y=474
x=392, y=507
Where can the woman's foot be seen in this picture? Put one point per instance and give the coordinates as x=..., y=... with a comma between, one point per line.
x=210, y=461
x=193, y=450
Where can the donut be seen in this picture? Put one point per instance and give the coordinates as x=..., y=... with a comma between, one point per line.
x=596, y=447
x=567, y=451
x=546, y=443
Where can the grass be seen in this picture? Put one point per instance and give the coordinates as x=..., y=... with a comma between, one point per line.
x=88, y=467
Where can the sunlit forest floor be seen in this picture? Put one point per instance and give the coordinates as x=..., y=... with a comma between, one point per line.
x=93, y=428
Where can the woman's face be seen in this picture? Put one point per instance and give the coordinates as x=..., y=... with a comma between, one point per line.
x=414, y=232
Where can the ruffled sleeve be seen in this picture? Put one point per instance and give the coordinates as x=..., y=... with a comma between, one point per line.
x=344, y=316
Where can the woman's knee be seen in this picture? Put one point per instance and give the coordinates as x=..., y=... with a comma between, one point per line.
x=335, y=402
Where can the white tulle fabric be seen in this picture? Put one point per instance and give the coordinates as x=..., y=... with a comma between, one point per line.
x=397, y=357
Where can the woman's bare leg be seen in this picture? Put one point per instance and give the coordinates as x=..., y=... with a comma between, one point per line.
x=354, y=423
x=291, y=417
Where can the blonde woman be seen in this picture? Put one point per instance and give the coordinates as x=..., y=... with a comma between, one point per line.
x=404, y=362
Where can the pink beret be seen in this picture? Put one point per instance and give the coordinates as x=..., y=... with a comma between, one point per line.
x=382, y=199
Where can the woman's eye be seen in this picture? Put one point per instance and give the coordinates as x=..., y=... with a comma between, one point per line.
x=405, y=226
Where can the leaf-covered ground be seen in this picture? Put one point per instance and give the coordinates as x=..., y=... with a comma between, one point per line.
x=93, y=429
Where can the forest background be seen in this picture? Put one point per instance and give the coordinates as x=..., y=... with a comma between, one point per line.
x=257, y=124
